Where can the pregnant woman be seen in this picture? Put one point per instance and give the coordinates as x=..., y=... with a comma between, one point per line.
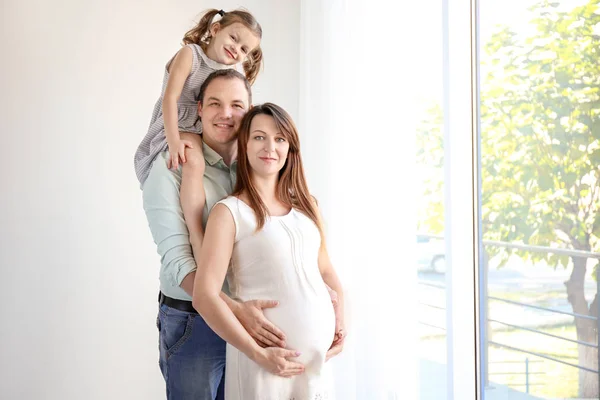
x=267, y=241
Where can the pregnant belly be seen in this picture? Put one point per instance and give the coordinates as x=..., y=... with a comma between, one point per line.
x=309, y=326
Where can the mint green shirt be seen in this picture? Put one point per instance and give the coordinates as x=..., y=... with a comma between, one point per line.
x=165, y=216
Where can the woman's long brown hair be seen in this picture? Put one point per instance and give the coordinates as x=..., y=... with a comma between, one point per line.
x=200, y=35
x=292, y=189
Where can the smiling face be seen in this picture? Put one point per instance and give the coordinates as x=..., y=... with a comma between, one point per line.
x=224, y=103
x=231, y=44
x=267, y=147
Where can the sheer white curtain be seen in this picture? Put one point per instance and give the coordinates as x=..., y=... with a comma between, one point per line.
x=358, y=64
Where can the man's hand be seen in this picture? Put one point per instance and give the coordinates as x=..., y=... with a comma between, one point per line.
x=338, y=339
x=336, y=347
x=340, y=332
x=250, y=314
x=279, y=362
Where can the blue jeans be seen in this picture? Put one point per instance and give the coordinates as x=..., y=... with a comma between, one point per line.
x=192, y=356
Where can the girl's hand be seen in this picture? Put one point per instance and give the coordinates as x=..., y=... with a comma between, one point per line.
x=177, y=152
x=276, y=361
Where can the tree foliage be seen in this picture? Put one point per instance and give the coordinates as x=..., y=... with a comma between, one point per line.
x=540, y=134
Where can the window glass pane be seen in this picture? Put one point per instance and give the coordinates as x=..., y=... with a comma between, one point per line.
x=430, y=246
x=540, y=193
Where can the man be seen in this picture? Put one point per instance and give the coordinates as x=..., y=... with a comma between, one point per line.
x=192, y=356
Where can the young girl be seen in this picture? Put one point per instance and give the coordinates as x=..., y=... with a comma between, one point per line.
x=233, y=41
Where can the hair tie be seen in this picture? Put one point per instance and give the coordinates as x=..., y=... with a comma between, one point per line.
x=221, y=13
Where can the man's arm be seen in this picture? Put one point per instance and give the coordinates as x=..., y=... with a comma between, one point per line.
x=166, y=221
x=188, y=285
x=169, y=230
x=178, y=267
x=250, y=314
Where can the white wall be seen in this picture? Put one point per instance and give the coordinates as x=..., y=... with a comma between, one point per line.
x=79, y=271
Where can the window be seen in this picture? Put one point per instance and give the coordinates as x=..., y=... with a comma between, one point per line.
x=539, y=117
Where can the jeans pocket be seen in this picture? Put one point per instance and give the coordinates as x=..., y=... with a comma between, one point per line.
x=175, y=330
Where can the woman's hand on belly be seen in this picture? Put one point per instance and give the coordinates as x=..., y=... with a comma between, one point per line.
x=277, y=361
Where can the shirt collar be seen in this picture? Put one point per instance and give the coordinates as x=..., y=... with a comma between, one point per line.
x=211, y=156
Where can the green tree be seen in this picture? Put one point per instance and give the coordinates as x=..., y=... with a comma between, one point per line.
x=430, y=159
x=540, y=138
x=540, y=150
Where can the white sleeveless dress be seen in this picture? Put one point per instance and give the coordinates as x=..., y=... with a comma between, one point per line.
x=280, y=262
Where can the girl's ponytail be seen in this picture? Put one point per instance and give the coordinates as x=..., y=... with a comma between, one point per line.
x=253, y=63
x=201, y=32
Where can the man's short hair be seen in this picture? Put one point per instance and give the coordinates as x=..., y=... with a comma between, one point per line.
x=225, y=74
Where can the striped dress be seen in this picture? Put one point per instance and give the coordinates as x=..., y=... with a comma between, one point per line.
x=155, y=140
